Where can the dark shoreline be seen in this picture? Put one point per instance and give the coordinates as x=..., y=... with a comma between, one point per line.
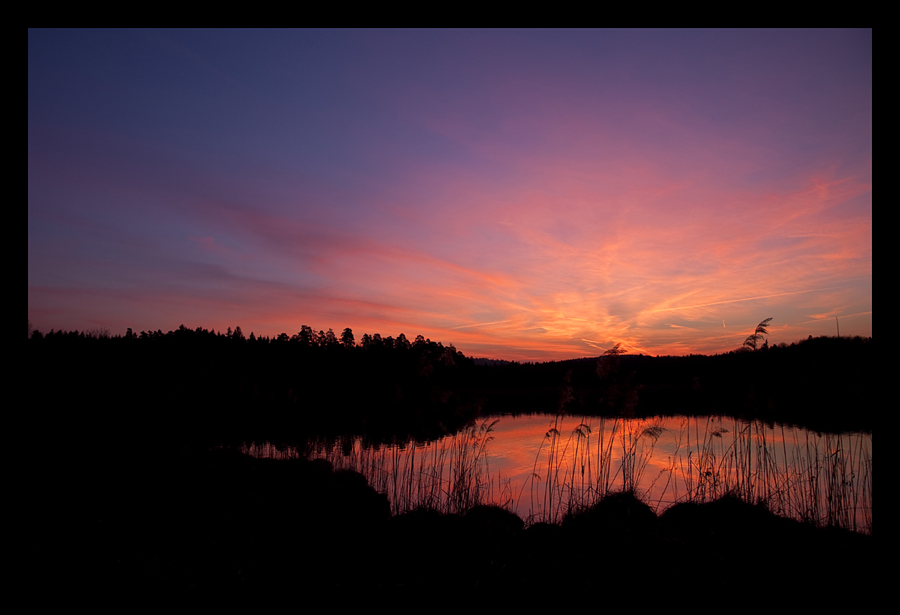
x=198, y=388
x=222, y=523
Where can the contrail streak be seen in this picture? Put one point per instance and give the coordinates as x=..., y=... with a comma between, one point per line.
x=699, y=305
x=481, y=324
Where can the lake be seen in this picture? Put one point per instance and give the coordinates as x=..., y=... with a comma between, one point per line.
x=540, y=466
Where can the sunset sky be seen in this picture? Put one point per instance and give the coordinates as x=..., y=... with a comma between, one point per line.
x=527, y=195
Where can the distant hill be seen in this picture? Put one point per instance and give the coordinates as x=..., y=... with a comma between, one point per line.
x=485, y=361
x=825, y=383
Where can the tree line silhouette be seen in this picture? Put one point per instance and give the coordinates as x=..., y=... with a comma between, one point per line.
x=208, y=386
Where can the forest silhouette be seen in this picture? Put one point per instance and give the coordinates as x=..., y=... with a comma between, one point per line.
x=316, y=383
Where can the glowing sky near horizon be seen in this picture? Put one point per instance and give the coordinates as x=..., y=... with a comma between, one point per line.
x=525, y=195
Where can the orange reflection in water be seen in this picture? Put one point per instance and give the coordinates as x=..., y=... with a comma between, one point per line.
x=542, y=466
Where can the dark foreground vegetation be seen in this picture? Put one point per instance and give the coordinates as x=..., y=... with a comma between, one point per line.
x=131, y=485
x=223, y=524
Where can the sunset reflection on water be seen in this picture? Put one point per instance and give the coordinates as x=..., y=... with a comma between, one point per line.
x=542, y=465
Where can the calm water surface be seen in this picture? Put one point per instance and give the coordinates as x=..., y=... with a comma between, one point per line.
x=540, y=466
